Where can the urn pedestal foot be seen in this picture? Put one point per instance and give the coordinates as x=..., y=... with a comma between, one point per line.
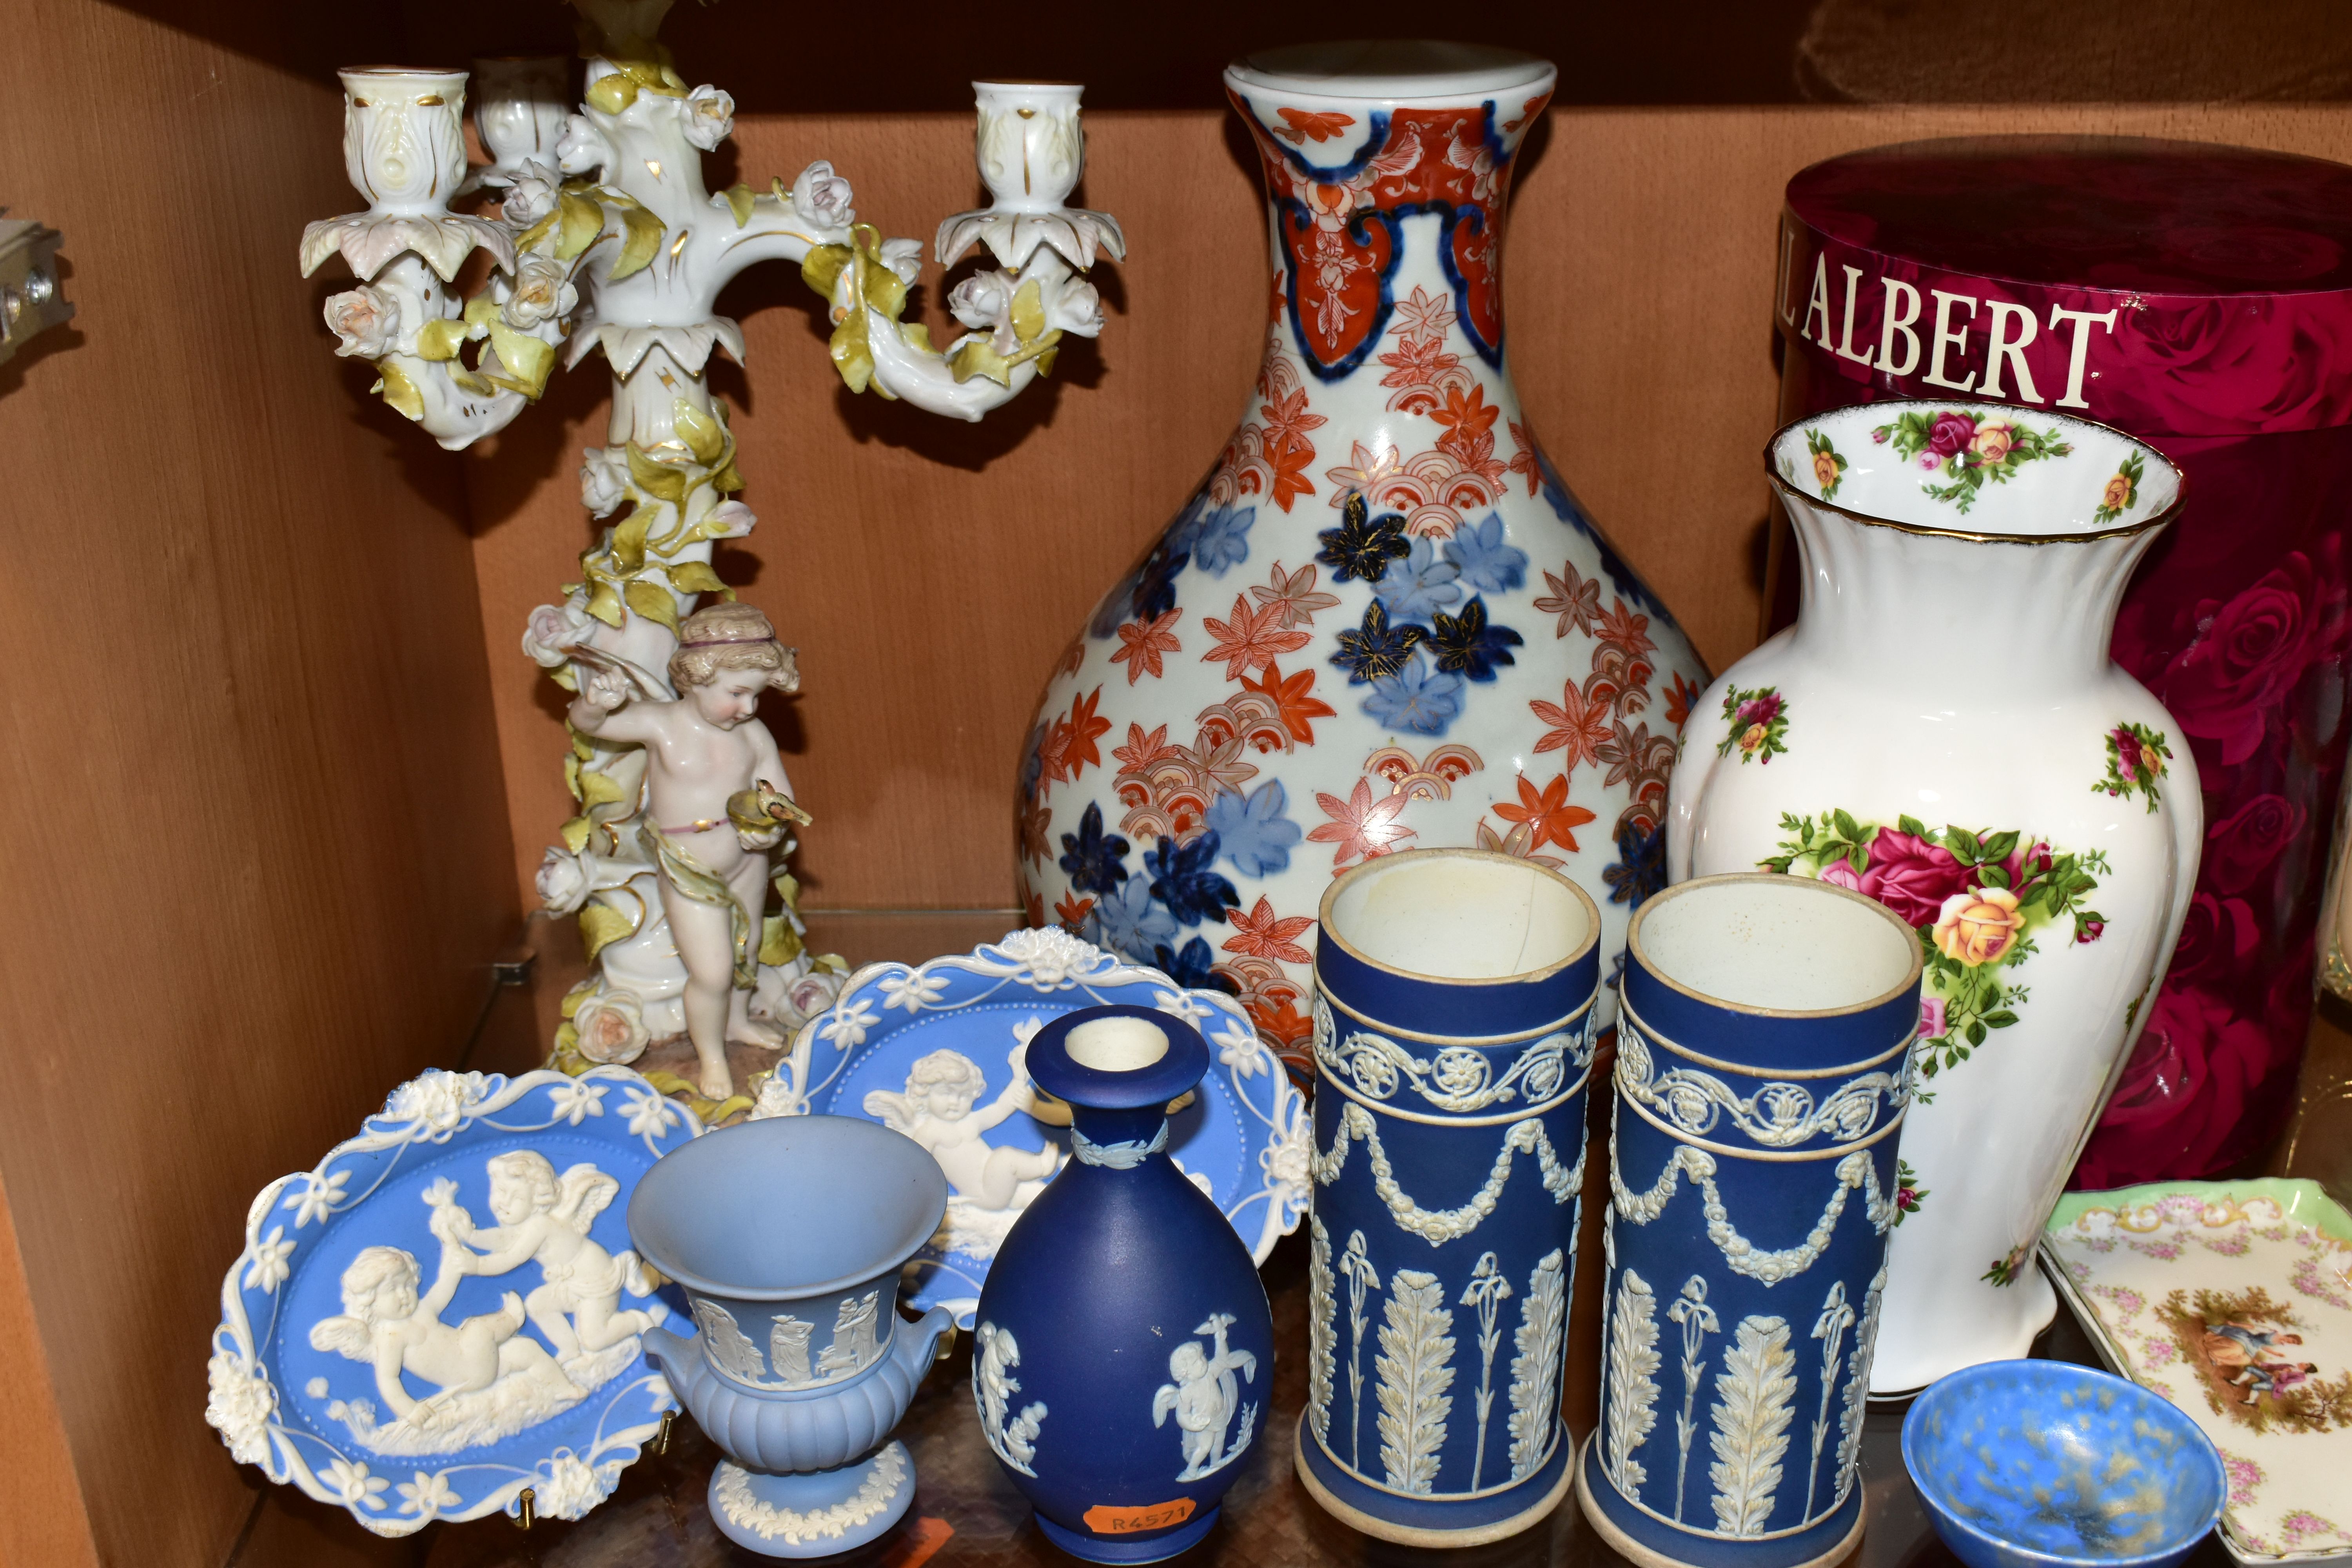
x=1653, y=1542
x=1111, y=1549
x=816, y=1514
x=1494, y=1514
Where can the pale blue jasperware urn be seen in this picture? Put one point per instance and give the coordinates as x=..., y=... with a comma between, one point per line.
x=787, y=1236
x=1123, y=1362
x=1455, y=1027
x=1764, y=1038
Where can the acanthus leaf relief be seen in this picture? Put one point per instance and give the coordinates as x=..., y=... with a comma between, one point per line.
x=771, y=1522
x=1830, y=1327
x=1205, y=1397
x=1535, y=1370
x=1632, y=1391
x=1322, y=1328
x=1416, y=1368
x=1485, y=1293
x=1362, y=1278
x=1751, y=1413
x=1857, y=1388
x=1437, y=1226
x=992, y=1384
x=1697, y=1320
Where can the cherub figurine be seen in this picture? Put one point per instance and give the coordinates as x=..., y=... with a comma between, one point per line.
x=717, y=802
x=544, y=1220
x=937, y=1111
x=1205, y=1396
x=386, y=1324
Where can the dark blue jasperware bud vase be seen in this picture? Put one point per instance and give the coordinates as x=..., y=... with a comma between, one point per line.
x=1454, y=1028
x=1123, y=1352
x=1764, y=1041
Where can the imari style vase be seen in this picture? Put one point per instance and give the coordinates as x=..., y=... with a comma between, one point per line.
x=1942, y=731
x=787, y=1236
x=1455, y=1019
x=1382, y=622
x=1763, y=1072
x=1123, y=1350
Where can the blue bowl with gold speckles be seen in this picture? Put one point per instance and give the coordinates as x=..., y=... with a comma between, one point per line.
x=2034, y=1464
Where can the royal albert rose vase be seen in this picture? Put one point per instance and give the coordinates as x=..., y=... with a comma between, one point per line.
x=1456, y=1020
x=1942, y=731
x=787, y=1236
x=1382, y=622
x=1762, y=1076
x=1123, y=1353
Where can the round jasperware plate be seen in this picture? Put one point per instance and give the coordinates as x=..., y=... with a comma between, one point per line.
x=296, y=1384
x=935, y=1051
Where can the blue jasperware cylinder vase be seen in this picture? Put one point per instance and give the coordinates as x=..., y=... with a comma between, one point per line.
x=787, y=1236
x=1455, y=1027
x=1763, y=1070
x=1123, y=1350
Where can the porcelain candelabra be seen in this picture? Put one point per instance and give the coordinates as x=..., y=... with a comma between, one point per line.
x=811, y=1468
x=608, y=238
x=1942, y=731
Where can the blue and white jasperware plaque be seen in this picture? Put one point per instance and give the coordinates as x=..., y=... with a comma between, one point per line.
x=444, y=1311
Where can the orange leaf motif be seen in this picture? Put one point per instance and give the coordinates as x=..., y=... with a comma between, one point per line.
x=1253, y=638
x=1579, y=725
x=1547, y=813
x=1141, y=645
x=1308, y=125
x=1295, y=698
x=1361, y=826
x=1264, y=936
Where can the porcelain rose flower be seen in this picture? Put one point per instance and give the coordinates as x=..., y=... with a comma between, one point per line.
x=533, y=195
x=611, y=1027
x=551, y=630
x=562, y=882
x=542, y=292
x=710, y=117
x=1979, y=926
x=603, y=480
x=822, y=197
x=366, y=322
x=239, y=1405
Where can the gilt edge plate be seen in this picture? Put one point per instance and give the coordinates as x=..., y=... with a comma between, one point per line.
x=2233, y=1299
x=935, y=1052
x=445, y=1310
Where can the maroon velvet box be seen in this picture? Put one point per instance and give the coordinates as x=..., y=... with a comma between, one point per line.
x=2200, y=298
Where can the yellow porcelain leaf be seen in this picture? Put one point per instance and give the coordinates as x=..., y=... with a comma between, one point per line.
x=576, y=834
x=821, y=268
x=605, y=603
x=600, y=925
x=439, y=340
x=1028, y=312
x=528, y=358
x=653, y=602
x=629, y=540
x=916, y=334
x=739, y=202
x=851, y=355
x=572, y=775
x=727, y=481
x=657, y=479
x=703, y=436
x=396, y=389
x=695, y=577
x=582, y=221
x=832, y=963
x=599, y=789
x=540, y=230
x=641, y=242
x=574, y=997
x=974, y=357
x=612, y=93
x=779, y=943
x=563, y=677
x=581, y=746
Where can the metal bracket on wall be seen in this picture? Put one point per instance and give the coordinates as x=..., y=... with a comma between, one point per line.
x=31, y=297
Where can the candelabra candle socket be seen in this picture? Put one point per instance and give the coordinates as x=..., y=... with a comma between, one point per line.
x=1031, y=150
x=520, y=112
x=403, y=144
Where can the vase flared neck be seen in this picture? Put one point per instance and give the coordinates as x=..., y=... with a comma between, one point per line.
x=1388, y=171
x=1994, y=615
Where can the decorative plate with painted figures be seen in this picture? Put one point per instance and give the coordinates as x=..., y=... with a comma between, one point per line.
x=936, y=1052
x=2233, y=1299
x=444, y=1311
